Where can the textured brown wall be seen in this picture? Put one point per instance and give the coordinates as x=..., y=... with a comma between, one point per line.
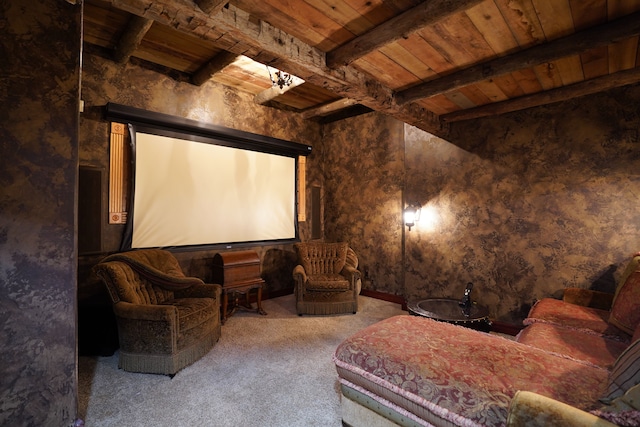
x=136, y=86
x=522, y=205
x=527, y=203
x=39, y=86
x=363, y=160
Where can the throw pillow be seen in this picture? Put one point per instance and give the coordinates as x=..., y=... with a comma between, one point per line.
x=625, y=373
x=636, y=334
x=625, y=311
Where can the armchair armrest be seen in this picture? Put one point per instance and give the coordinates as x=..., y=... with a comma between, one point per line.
x=203, y=290
x=150, y=312
x=299, y=274
x=350, y=272
x=146, y=329
x=528, y=409
x=588, y=298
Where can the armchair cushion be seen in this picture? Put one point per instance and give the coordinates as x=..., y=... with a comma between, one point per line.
x=322, y=258
x=327, y=282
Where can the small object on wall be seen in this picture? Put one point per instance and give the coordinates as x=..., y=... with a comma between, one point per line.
x=117, y=175
x=302, y=188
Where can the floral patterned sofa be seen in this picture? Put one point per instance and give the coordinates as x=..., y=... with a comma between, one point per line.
x=571, y=365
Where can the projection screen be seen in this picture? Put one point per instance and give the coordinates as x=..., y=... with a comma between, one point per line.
x=198, y=184
x=195, y=193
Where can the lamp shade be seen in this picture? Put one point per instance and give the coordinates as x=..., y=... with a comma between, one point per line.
x=411, y=215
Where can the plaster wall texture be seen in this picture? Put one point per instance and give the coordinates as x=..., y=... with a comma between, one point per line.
x=526, y=204
x=363, y=168
x=39, y=87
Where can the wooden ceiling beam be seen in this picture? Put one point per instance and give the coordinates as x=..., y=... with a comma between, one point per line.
x=211, y=6
x=565, y=93
x=425, y=14
x=329, y=108
x=131, y=38
x=259, y=39
x=574, y=44
x=215, y=65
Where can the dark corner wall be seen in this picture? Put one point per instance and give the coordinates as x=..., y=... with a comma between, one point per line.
x=39, y=87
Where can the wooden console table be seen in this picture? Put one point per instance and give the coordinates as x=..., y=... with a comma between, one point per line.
x=238, y=273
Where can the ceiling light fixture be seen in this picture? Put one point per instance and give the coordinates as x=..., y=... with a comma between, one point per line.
x=279, y=78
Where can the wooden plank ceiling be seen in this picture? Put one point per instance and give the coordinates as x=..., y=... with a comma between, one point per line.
x=426, y=63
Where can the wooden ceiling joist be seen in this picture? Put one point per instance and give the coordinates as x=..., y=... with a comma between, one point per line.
x=426, y=13
x=574, y=44
x=211, y=6
x=258, y=40
x=131, y=38
x=215, y=65
x=330, y=108
x=565, y=93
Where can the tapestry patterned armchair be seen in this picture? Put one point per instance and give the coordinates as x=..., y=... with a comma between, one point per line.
x=166, y=321
x=327, y=280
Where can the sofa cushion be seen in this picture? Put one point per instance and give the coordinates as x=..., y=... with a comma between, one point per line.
x=585, y=319
x=448, y=373
x=624, y=374
x=625, y=311
x=572, y=343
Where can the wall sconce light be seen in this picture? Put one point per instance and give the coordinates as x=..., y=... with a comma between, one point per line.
x=411, y=215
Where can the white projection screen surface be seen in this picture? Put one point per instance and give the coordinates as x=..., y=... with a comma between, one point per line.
x=194, y=193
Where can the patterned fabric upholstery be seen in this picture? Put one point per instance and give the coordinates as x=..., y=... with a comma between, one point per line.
x=166, y=320
x=327, y=279
x=584, y=319
x=322, y=259
x=624, y=374
x=450, y=375
x=572, y=343
x=625, y=311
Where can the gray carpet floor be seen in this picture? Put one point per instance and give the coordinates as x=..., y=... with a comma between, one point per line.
x=274, y=370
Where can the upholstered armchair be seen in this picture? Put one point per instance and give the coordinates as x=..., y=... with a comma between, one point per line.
x=327, y=280
x=166, y=321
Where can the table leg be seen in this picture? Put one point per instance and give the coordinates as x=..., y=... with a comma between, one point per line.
x=225, y=304
x=260, y=310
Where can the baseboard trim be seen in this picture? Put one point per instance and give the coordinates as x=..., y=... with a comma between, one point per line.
x=385, y=297
x=496, y=325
